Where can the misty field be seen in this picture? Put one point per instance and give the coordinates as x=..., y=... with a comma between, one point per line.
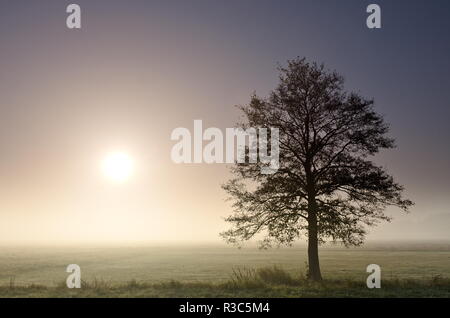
x=408, y=270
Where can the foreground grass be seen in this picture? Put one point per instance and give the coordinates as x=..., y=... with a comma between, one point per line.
x=212, y=264
x=269, y=282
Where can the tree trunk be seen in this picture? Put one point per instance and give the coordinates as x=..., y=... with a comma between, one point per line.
x=313, y=251
x=313, y=243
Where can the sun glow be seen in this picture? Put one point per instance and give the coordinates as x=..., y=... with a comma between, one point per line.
x=118, y=166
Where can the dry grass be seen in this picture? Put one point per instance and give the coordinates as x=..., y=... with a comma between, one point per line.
x=244, y=282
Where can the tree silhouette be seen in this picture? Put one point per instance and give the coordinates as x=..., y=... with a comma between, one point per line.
x=326, y=187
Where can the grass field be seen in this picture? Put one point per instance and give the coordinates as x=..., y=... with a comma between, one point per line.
x=408, y=270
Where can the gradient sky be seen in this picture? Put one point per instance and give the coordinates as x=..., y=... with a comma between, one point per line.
x=138, y=69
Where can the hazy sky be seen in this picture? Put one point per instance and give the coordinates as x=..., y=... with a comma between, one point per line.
x=138, y=69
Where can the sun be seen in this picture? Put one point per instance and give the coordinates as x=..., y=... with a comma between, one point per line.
x=118, y=166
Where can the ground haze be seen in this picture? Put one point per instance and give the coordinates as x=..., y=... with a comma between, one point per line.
x=215, y=263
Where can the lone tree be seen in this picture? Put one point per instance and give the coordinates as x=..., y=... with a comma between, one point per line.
x=326, y=187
